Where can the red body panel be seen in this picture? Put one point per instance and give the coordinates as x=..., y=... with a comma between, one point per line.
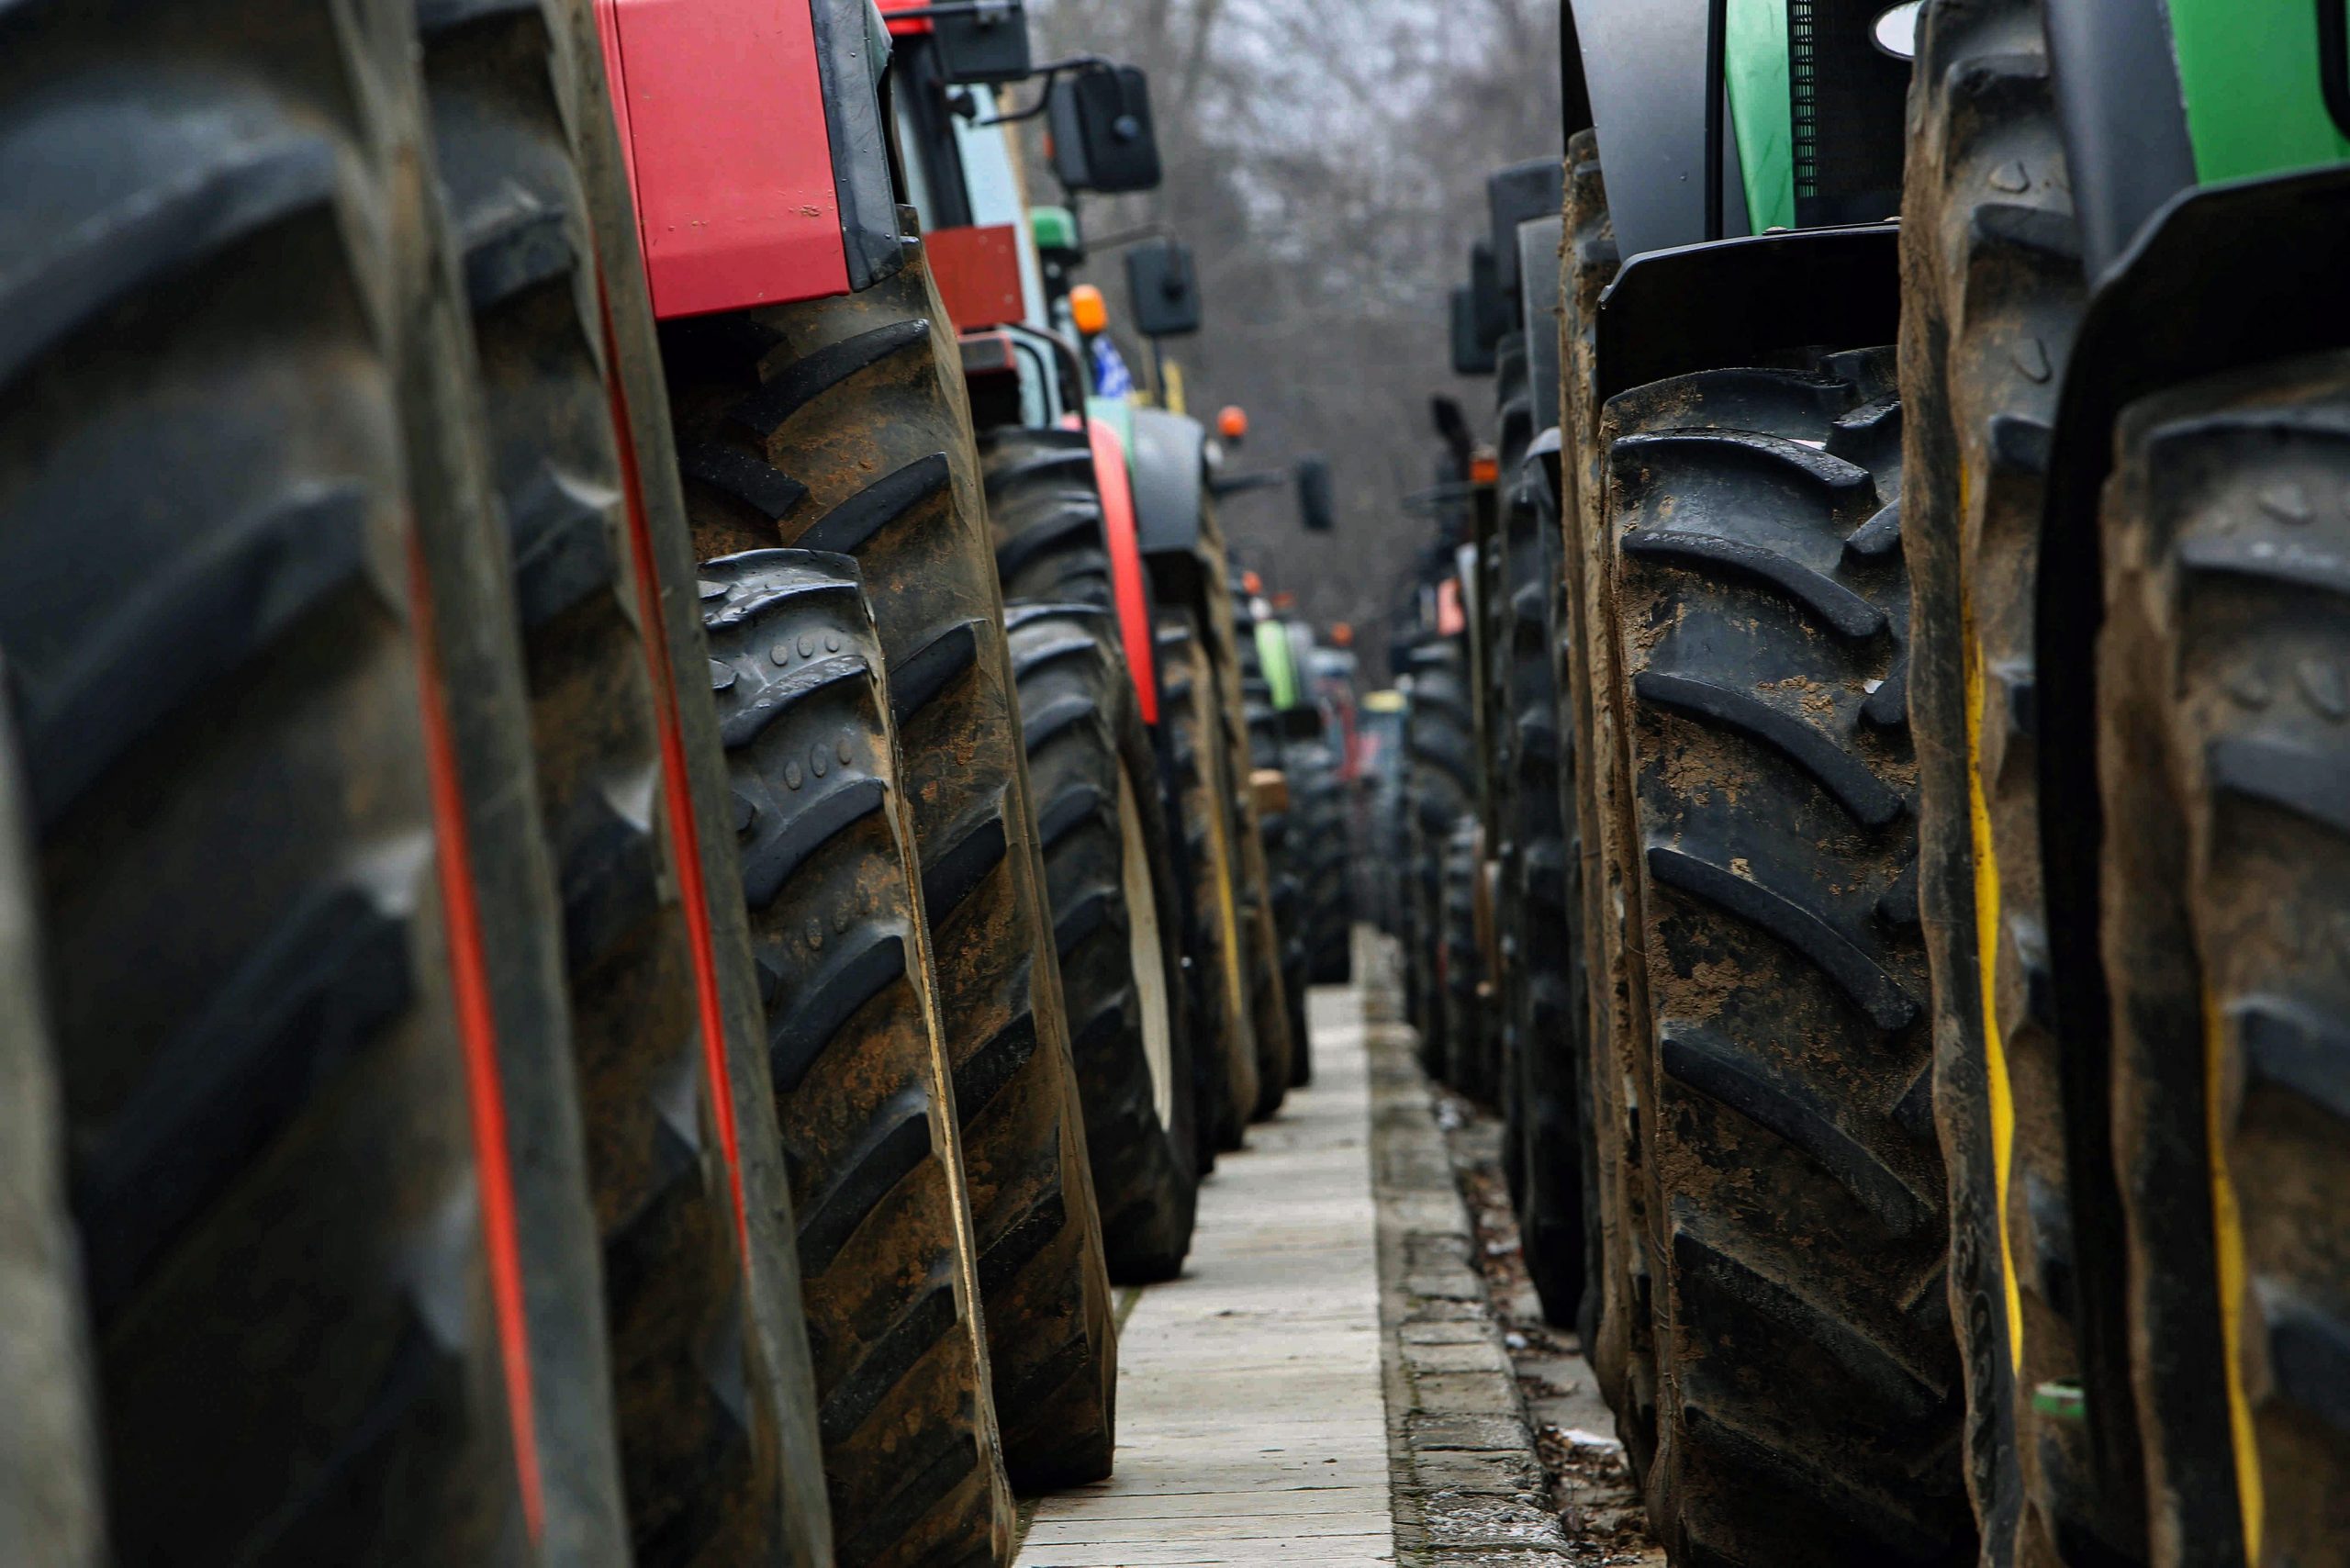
x=977, y=273
x=721, y=110
x=1125, y=563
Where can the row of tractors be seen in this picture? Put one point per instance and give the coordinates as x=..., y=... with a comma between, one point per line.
x=1870, y=795
x=645, y=845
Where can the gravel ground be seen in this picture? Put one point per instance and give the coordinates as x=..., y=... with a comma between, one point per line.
x=1591, y=1487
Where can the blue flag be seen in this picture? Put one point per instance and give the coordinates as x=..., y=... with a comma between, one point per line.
x=1111, y=377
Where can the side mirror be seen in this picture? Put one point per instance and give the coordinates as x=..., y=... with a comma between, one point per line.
x=1317, y=510
x=1470, y=356
x=1492, y=312
x=1519, y=194
x=987, y=43
x=1165, y=289
x=1102, y=136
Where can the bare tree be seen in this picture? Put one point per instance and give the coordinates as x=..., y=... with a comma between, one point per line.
x=1325, y=160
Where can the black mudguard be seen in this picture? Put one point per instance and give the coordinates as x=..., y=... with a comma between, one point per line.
x=2222, y=277
x=1170, y=462
x=1644, y=71
x=1742, y=301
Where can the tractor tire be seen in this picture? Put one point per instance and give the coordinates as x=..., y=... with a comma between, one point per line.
x=1620, y=1340
x=1232, y=652
x=864, y=1093
x=1281, y=1030
x=718, y=1461
x=314, y=1079
x=1223, y=1033
x=1046, y=510
x=1811, y=1394
x=1541, y=983
x=1117, y=920
x=1541, y=903
x=1297, y=940
x=1321, y=800
x=2225, y=862
x=1439, y=754
x=1993, y=290
x=1497, y=728
x=1420, y=872
x=1495, y=1079
x=1463, y=959
x=841, y=424
x=1267, y=749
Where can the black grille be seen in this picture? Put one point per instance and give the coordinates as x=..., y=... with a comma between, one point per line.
x=1847, y=99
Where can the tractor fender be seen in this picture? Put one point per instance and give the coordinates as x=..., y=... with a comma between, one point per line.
x=1168, y=455
x=2118, y=103
x=1645, y=70
x=2219, y=278
x=1734, y=302
x=752, y=134
x=1129, y=586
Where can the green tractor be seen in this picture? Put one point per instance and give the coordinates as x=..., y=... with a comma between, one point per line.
x=1948, y=617
x=2122, y=350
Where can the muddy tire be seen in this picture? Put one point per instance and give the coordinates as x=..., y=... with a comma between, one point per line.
x=1223, y=1033
x=1046, y=510
x=1994, y=289
x=2225, y=858
x=864, y=1093
x=1117, y=923
x=301, y=963
x=1541, y=989
x=717, y=1458
x=1595, y=796
x=1811, y=1396
x=841, y=424
x=1541, y=899
x=1322, y=801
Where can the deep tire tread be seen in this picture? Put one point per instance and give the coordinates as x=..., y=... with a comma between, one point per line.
x=1787, y=1023
x=862, y=1083
x=859, y=399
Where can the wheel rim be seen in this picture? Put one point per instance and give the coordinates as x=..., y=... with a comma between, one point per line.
x=1145, y=954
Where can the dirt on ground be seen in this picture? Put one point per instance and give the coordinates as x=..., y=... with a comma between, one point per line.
x=1590, y=1486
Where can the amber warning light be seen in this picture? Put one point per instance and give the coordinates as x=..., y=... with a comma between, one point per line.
x=1087, y=308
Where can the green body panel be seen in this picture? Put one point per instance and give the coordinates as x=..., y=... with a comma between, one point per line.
x=1273, y=652
x=2248, y=69
x=1762, y=109
x=1054, y=228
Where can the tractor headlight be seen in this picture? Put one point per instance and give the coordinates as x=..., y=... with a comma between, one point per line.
x=1896, y=30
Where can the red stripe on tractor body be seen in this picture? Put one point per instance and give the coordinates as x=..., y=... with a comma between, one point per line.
x=685, y=832
x=1126, y=581
x=477, y=1031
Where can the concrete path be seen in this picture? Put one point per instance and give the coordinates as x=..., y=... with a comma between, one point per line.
x=1251, y=1423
